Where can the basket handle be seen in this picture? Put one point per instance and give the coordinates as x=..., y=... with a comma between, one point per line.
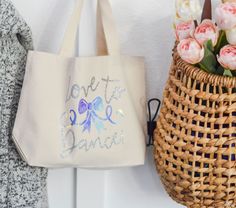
x=207, y=10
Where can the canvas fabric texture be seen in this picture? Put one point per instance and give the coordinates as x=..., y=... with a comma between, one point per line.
x=86, y=112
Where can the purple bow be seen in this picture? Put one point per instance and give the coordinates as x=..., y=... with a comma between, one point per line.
x=90, y=109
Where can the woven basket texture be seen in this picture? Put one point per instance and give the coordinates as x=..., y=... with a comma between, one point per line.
x=195, y=138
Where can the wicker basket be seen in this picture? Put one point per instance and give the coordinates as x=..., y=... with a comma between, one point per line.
x=195, y=138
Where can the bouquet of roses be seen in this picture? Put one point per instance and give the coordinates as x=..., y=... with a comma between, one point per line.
x=208, y=45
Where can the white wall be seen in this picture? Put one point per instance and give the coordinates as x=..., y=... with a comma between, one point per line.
x=145, y=28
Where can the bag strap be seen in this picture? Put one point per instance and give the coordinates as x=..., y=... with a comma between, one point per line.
x=100, y=36
x=107, y=39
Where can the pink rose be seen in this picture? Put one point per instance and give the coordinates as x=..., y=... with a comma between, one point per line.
x=190, y=51
x=226, y=15
x=227, y=57
x=184, y=30
x=207, y=30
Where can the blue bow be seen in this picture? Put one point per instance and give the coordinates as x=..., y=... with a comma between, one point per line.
x=91, y=116
x=90, y=109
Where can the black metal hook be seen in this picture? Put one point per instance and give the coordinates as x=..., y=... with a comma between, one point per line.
x=151, y=124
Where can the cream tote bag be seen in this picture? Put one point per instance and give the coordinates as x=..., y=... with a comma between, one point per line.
x=86, y=112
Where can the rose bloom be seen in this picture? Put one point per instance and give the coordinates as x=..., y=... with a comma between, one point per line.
x=188, y=9
x=184, y=30
x=207, y=30
x=227, y=57
x=231, y=36
x=226, y=15
x=190, y=51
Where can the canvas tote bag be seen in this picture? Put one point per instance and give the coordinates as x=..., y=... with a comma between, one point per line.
x=86, y=112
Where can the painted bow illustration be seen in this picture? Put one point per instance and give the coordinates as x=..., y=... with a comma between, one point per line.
x=91, y=110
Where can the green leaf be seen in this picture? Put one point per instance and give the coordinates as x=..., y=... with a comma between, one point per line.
x=222, y=41
x=203, y=67
x=227, y=73
x=209, y=45
x=209, y=62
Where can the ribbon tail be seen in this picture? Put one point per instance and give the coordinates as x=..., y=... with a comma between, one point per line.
x=97, y=122
x=87, y=123
x=73, y=120
x=109, y=114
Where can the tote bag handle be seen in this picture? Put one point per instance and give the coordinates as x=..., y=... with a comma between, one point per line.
x=107, y=36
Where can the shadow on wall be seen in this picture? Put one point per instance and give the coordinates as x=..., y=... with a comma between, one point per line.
x=151, y=37
x=155, y=42
x=147, y=175
x=55, y=27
